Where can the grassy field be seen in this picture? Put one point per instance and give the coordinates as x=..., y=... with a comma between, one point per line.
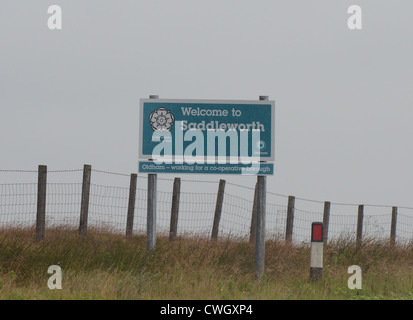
x=108, y=266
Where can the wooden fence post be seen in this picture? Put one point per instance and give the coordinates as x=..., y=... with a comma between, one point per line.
x=326, y=220
x=360, y=218
x=290, y=219
x=260, y=237
x=393, y=226
x=41, y=202
x=131, y=204
x=84, y=205
x=218, y=209
x=253, y=227
x=176, y=194
x=151, y=212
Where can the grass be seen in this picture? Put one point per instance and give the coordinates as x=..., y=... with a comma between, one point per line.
x=108, y=266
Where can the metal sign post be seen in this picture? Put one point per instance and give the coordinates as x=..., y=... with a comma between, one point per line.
x=151, y=206
x=260, y=222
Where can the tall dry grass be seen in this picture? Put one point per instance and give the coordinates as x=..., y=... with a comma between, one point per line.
x=109, y=266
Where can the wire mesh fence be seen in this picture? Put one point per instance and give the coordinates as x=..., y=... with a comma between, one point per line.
x=108, y=207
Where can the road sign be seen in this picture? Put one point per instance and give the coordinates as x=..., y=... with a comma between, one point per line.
x=206, y=136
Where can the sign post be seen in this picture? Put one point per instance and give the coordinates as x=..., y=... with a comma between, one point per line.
x=151, y=206
x=260, y=222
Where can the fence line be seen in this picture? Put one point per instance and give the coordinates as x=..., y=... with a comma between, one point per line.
x=123, y=209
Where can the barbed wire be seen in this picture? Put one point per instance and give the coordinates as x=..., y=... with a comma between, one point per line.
x=203, y=181
x=17, y=171
x=36, y=171
x=239, y=185
x=309, y=200
x=65, y=171
x=109, y=204
x=112, y=173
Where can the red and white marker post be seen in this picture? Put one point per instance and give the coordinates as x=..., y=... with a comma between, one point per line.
x=317, y=244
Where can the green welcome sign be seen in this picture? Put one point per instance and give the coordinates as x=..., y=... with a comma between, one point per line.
x=206, y=136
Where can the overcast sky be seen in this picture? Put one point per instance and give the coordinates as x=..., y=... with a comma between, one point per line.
x=344, y=98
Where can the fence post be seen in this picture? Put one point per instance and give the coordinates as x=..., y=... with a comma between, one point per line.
x=253, y=227
x=326, y=220
x=131, y=204
x=84, y=205
x=393, y=226
x=290, y=219
x=218, y=209
x=176, y=194
x=260, y=232
x=360, y=218
x=151, y=212
x=41, y=202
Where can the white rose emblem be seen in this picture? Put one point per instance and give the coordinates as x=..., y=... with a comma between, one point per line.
x=161, y=119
